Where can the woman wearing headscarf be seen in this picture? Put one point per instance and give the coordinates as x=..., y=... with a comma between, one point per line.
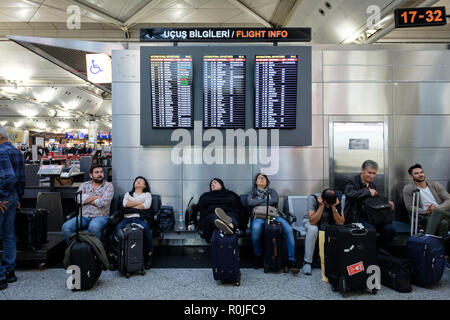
x=222, y=209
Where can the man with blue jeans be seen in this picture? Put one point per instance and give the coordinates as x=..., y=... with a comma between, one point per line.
x=96, y=201
x=12, y=177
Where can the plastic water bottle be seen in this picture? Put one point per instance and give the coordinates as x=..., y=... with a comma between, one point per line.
x=180, y=226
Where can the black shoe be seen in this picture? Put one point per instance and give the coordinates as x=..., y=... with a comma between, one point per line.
x=148, y=263
x=11, y=277
x=3, y=284
x=258, y=262
x=293, y=266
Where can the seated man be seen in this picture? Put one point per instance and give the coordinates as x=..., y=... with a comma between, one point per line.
x=96, y=201
x=359, y=188
x=323, y=210
x=434, y=203
x=222, y=209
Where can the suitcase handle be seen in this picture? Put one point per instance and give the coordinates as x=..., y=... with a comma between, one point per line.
x=78, y=201
x=358, y=232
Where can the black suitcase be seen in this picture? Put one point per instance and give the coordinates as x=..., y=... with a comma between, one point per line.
x=225, y=257
x=349, y=251
x=128, y=249
x=83, y=256
x=31, y=228
x=274, y=246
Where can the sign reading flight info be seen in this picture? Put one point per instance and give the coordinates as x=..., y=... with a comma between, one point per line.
x=226, y=34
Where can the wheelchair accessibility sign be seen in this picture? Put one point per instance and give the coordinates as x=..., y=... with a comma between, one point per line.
x=98, y=68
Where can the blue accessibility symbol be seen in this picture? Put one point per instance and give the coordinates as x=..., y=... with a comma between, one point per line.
x=95, y=67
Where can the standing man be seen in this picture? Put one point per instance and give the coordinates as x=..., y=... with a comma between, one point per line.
x=359, y=188
x=434, y=203
x=96, y=201
x=12, y=184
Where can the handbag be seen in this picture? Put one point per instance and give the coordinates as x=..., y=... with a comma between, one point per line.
x=260, y=212
x=377, y=211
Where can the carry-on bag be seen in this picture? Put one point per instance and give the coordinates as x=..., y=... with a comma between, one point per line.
x=426, y=252
x=83, y=255
x=166, y=219
x=128, y=249
x=274, y=246
x=377, y=211
x=225, y=257
x=395, y=272
x=349, y=250
x=31, y=228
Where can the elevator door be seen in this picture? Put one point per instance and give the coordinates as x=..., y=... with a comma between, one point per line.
x=353, y=143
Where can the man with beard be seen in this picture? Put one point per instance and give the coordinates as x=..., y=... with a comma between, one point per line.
x=434, y=203
x=96, y=200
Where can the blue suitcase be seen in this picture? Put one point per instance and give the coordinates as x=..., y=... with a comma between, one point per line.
x=425, y=252
x=225, y=257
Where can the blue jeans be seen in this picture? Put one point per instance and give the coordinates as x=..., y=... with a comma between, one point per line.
x=257, y=225
x=147, y=231
x=387, y=233
x=8, y=258
x=94, y=226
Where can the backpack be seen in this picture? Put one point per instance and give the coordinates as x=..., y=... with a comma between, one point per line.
x=166, y=219
x=191, y=214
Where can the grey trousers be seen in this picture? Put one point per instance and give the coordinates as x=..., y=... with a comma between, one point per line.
x=312, y=233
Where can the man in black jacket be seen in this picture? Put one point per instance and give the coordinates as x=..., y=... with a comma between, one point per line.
x=359, y=188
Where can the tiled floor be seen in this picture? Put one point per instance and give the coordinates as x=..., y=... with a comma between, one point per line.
x=198, y=284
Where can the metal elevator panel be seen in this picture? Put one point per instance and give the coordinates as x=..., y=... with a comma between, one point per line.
x=353, y=143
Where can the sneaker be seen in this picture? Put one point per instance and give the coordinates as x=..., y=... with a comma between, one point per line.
x=293, y=266
x=11, y=277
x=307, y=269
x=258, y=262
x=224, y=217
x=222, y=226
x=3, y=284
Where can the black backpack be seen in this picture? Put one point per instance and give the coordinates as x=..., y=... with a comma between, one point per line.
x=191, y=214
x=377, y=211
x=166, y=219
x=395, y=272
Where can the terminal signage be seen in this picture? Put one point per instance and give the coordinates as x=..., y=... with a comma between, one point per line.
x=226, y=34
x=420, y=17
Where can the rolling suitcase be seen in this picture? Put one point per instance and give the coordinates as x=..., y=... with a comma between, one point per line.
x=349, y=250
x=31, y=228
x=426, y=252
x=274, y=246
x=129, y=249
x=83, y=255
x=225, y=257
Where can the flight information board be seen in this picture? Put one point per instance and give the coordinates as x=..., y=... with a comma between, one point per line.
x=276, y=91
x=224, y=91
x=171, y=91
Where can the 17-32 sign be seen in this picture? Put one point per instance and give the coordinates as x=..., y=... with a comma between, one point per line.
x=420, y=17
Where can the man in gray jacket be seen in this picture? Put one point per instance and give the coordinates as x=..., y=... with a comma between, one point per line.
x=434, y=202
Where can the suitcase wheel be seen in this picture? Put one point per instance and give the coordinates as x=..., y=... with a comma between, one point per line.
x=266, y=269
x=127, y=275
x=374, y=291
x=142, y=272
x=343, y=286
x=238, y=283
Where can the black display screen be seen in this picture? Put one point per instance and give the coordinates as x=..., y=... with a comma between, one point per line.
x=224, y=91
x=171, y=91
x=276, y=91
